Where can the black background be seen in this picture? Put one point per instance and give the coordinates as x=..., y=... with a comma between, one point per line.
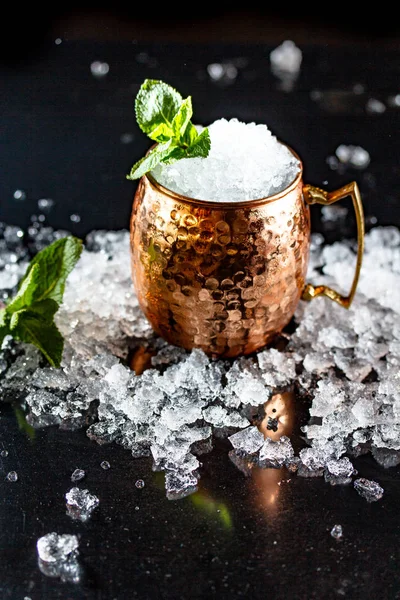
x=60, y=139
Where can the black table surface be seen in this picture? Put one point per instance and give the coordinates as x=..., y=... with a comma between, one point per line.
x=237, y=537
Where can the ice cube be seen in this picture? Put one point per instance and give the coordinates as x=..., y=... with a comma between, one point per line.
x=248, y=440
x=54, y=547
x=370, y=490
x=80, y=503
x=337, y=532
x=276, y=454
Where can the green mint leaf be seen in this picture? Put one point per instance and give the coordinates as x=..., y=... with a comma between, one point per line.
x=165, y=117
x=182, y=118
x=28, y=317
x=3, y=325
x=45, y=309
x=200, y=147
x=55, y=262
x=27, y=289
x=162, y=133
x=159, y=153
x=191, y=134
x=31, y=327
x=156, y=103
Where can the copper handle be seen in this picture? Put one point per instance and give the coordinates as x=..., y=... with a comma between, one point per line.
x=314, y=195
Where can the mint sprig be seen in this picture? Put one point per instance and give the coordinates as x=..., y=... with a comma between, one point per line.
x=29, y=315
x=165, y=117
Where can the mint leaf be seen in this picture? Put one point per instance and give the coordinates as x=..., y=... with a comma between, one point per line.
x=182, y=118
x=29, y=315
x=34, y=328
x=190, y=135
x=56, y=262
x=3, y=325
x=200, y=147
x=160, y=153
x=28, y=286
x=165, y=117
x=156, y=103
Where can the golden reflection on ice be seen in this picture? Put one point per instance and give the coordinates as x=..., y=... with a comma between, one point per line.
x=279, y=416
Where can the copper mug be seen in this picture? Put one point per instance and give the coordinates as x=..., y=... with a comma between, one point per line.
x=227, y=277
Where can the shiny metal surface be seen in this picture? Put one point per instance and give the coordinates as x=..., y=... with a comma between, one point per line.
x=226, y=277
x=223, y=277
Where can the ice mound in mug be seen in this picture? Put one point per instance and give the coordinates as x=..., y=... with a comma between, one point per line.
x=246, y=162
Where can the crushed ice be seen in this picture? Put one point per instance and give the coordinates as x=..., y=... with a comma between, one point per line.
x=58, y=556
x=345, y=363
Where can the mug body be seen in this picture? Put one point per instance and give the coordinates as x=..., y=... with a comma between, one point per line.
x=225, y=277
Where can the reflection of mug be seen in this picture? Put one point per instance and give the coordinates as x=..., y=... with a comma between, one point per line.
x=226, y=277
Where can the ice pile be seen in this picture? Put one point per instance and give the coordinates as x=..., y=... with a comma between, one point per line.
x=343, y=363
x=246, y=161
x=58, y=556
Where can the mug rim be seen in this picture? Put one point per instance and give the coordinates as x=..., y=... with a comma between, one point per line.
x=229, y=203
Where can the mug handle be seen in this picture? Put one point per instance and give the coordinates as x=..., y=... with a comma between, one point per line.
x=314, y=195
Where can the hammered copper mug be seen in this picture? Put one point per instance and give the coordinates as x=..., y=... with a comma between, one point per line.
x=227, y=277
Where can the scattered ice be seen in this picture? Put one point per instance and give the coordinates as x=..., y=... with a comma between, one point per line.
x=127, y=138
x=77, y=475
x=53, y=547
x=375, y=106
x=75, y=218
x=12, y=476
x=286, y=57
x=339, y=472
x=99, y=68
x=180, y=484
x=19, y=195
x=248, y=440
x=105, y=465
x=246, y=161
x=225, y=72
x=285, y=62
x=276, y=454
x=333, y=213
x=370, y=490
x=344, y=363
x=80, y=503
x=354, y=156
x=337, y=532
x=45, y=204
x=58, y=556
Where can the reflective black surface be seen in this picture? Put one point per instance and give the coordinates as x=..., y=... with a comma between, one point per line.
x=264, y=535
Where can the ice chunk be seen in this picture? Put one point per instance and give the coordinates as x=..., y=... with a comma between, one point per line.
x=58, y=556
x=219, y=417
x=337, y=532
x=276, y=454
x=386, y=457
x=12, y=476
x=339, y=471
x=179, y=484
x=54, y=547
x=248, y=440
x=77, y=475
x=278, y=368
x=80, y=503
x=286, y=57
x=370, y=490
